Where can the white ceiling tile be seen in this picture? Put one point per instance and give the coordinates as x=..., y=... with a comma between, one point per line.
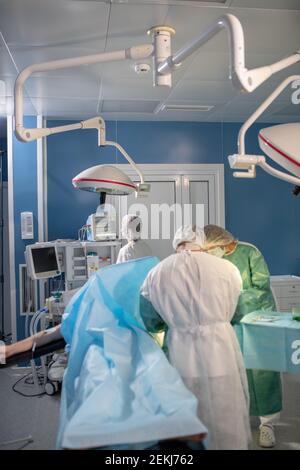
x=7, y=87
x=214, y=91
x=7, y=67
x=132, y=89
x=208, y=66
x=267, y=4
x=24, y=56
x=132, y=106
x=270, y=31
x=64, y=87
x=292, y=110
x=133, y=22
x=247, y=108
x=190, y=22
x=43, y=23
x=65, y=107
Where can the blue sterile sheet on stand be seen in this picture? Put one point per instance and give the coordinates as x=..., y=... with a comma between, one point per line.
x=119, y=390
x=271, y=341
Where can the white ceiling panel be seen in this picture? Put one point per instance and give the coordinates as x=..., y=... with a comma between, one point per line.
x=208, y=66
x=44, y=23
x=268, y=4
x=7, y=67
x=25, y=56
x=65, y=107
x=246, y=108
x=132, y=89
x=288, y=110
x=7, y=86
x=270, y=31
x=132, y=106
x=214, y=91
x=64, y=87
x=132, y=22
x=261, y=93
x=190, y=22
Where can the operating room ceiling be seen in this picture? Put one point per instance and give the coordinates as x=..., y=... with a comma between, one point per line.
x=34, y=31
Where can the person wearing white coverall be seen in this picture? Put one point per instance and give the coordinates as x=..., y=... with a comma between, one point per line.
x=195, y=294
x=135, y=248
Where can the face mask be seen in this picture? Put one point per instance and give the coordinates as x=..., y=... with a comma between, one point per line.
x=218, y=251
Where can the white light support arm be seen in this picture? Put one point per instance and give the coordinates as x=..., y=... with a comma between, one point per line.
x=249, y=163
x=247, y=80
x=128, y=158
x=244, y=161
x=261, y=109
x=26, y=135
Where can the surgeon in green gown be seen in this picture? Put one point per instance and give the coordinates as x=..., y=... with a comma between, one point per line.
x=264, y=386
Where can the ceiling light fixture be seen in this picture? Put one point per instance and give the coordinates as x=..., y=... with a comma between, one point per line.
x=104, y=179
x=164, y=64
x=280, y=143
x=107, y=178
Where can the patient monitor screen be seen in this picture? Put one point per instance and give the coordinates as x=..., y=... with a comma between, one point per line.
x=44, y=260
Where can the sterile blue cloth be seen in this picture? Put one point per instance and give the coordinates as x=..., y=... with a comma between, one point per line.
x=119, y=389
x=271, y=341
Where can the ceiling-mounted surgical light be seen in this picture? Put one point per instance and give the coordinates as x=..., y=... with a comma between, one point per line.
x=107, y=178
x=164, y=64
x=280, y=143
x=104, y=179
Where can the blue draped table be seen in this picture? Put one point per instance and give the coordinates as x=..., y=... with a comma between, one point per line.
x=270, y=341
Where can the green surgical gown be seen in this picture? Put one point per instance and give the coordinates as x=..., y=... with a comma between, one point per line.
x=264, y=386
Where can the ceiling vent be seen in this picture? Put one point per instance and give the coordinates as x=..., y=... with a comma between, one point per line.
x=172, y=2
x=164, y=2
x=184, y=107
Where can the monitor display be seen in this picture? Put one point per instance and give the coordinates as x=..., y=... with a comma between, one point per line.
x=42, y=261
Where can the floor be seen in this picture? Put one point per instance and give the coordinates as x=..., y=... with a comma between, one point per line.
x=22, y=416
x=38, y=417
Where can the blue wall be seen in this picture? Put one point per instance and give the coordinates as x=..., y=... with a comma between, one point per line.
x=261, y=211
x=25, y=199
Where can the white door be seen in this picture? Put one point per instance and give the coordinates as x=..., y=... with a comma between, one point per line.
x=197, y=191
x=158, y=212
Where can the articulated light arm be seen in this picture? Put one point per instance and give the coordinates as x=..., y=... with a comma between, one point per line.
x=26, y=135
x=128, y=158
x=261, y=109
x=249, y=163
x=247, y=80
x=243, y=161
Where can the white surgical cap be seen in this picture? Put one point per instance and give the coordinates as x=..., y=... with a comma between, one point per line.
x=189, y=233
x=217, y=236
x=131, y=227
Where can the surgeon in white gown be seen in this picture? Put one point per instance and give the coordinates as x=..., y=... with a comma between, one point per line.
x=196, y=294
x=135, y=248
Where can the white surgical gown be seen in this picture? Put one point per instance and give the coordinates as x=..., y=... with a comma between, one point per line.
x=196, y=295
x=134, y=250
